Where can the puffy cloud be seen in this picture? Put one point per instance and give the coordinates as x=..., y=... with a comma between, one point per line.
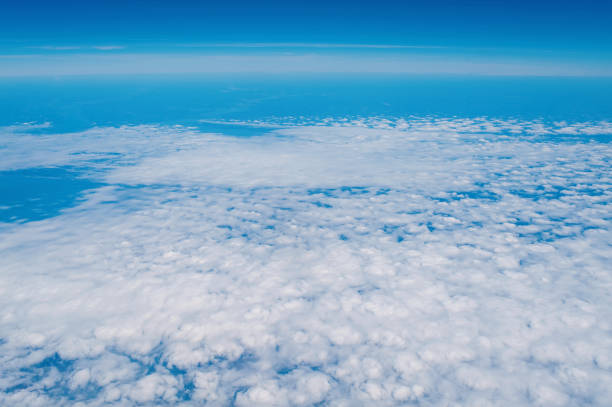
x=379, y=263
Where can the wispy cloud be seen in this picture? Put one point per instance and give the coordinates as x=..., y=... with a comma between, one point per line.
x=77, y=47
x=108, y=47
x=57, y=47
x=305, y=45
x=88, y=63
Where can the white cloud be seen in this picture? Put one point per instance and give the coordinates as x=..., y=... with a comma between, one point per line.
x=306, y=45
x=59, y=47
x=108, y=47
x=305, y=61
x=78, y=47
x=368, y=262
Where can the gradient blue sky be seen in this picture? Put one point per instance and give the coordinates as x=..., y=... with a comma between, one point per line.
x=440, y=36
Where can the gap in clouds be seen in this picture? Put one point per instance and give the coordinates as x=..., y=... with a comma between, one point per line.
x=32, y=194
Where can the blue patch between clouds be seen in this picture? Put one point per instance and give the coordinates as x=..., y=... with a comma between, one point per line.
x=38, y=193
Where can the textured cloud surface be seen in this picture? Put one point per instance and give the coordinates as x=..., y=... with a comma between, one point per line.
x=336, y=262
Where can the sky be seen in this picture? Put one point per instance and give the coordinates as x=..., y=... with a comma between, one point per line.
x=444, y=36
x=260, y=239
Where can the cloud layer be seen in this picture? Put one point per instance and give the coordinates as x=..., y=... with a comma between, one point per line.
x=89, y=61
x=368, y=262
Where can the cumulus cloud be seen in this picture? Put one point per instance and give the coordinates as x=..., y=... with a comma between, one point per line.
x=366, y=261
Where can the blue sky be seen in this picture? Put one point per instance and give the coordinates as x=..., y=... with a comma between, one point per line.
x=473, y=36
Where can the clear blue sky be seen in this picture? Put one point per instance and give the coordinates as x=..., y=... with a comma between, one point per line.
x=575, y=33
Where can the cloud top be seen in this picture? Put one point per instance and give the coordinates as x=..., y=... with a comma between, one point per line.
x=379, y=262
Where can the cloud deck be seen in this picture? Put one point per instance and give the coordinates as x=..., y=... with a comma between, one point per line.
x=347, y=263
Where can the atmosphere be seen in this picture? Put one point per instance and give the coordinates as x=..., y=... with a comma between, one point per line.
x=444, y=36
x=307, y=203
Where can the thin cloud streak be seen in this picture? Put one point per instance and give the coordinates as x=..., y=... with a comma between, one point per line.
x=108, y=47
x=307, y=45
x=111, y=64
x=57, y=47
x=77, y=47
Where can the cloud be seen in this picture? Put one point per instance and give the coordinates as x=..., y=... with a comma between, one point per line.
x=58, y=47
x=108, y=47
x=307, y=45
x=378, y=262
x=78, y=47
x=24, y=127
x=89, y=63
